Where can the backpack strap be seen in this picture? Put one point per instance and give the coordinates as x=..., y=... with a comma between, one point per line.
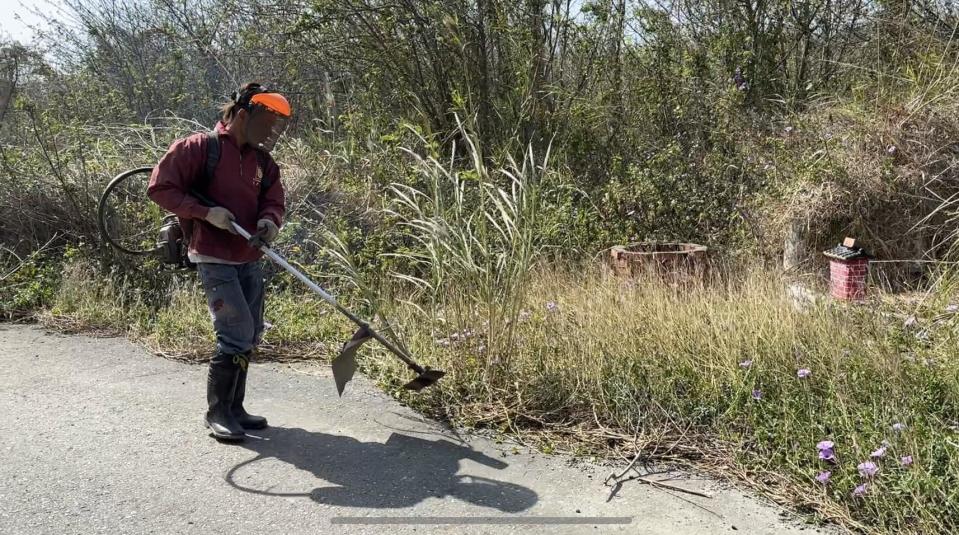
x=212, y=159
x=263, y=160
x=212, y=155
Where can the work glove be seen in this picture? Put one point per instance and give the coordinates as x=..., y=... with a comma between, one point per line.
x=221, y=218
x=266, y=231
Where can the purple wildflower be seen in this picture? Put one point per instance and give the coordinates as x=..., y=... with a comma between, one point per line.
x=551, y=306
x=826, y=452
x=868, y=469
x=745, y=364
x=860, y=491
x=823, y=477
x=906, y=460
x=757, y=394
x=878, y=454
x=803, y=373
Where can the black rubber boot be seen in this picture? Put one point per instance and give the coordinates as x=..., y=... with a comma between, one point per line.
x=245, y=419
x=220, y=388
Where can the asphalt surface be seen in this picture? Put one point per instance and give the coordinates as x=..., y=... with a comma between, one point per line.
x=100, y=436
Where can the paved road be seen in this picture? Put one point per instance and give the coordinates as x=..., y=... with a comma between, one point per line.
x=99, y=436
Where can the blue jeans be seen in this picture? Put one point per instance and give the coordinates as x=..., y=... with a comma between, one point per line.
x=234, y=295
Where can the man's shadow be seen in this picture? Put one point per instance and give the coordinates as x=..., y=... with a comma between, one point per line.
x=399, y=473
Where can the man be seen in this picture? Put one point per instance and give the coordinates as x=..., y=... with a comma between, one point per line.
x=245, y=186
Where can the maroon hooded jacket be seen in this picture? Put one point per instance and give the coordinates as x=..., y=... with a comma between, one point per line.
x=235, y=186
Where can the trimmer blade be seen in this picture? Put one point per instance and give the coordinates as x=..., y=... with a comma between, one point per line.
x=344, y=365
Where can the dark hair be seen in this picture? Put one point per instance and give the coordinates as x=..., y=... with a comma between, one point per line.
x=240, y=99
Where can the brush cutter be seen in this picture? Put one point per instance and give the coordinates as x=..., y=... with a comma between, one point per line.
x=344, y=365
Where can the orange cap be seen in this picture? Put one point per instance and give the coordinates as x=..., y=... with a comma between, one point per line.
x=274, y=102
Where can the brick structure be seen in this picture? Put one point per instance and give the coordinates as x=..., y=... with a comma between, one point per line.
x=847, y=278
x=848, y=271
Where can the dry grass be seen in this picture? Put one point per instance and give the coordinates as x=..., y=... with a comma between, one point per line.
x=625, y=367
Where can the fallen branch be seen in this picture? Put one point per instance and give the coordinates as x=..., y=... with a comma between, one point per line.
x=654, y=483
x=618, y=482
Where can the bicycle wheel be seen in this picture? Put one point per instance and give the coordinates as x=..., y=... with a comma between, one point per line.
x=127, y=218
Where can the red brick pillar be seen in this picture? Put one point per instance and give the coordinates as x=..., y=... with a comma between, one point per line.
x=847, y=278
